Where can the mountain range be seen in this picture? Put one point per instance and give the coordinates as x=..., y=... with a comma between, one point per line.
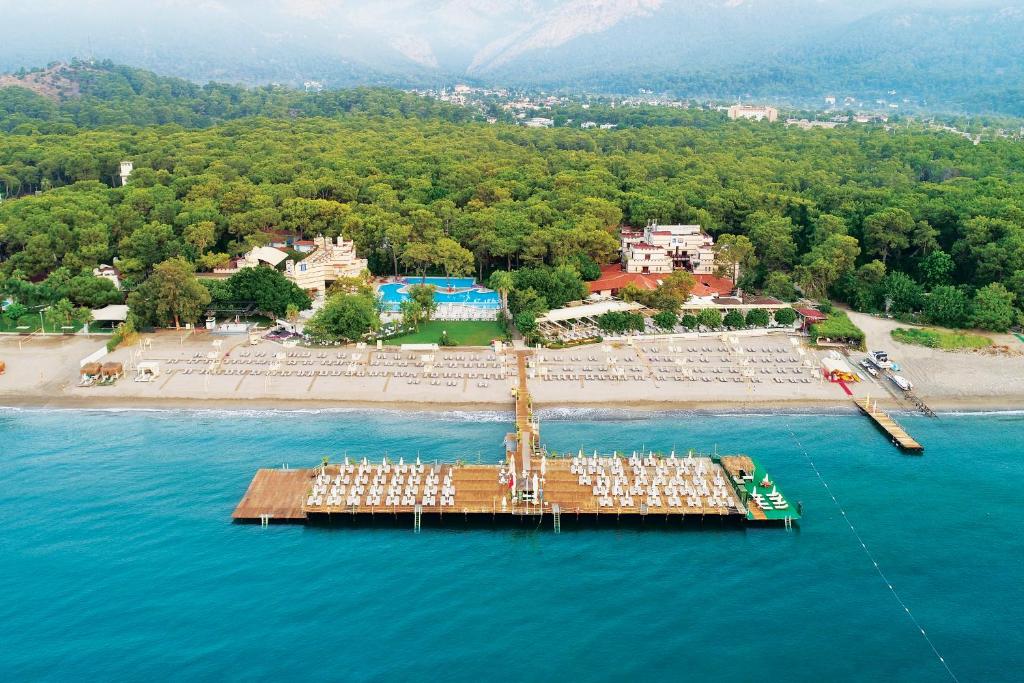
x=965, y=53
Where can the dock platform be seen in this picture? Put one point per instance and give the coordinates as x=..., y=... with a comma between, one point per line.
x=529, y=484
x=889, y=426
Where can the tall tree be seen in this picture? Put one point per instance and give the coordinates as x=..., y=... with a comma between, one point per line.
x=170, y=294
x=733, y=252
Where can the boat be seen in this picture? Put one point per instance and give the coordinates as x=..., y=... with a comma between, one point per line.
x=902, y=382
x=880, y=359
x=867, y=366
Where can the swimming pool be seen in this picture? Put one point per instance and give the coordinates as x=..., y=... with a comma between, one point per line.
x=456, y=290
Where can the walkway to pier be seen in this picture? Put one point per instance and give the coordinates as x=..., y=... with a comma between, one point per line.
x=888, y=425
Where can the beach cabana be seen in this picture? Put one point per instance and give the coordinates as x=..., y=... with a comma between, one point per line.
x=112, y=370
x=90, y=370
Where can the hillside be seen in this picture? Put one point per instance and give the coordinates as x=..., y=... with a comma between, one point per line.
x=103, y=94
x=946, y=55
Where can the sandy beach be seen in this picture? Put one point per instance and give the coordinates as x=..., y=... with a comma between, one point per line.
x=750, y=373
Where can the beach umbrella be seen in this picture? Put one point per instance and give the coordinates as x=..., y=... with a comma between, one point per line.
x=535, y=487
x=418, y=461
x=543, y=465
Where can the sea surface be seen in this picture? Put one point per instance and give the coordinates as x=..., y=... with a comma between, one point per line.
x=118, y=560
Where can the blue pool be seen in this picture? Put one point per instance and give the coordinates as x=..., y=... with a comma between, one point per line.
x=456, y=290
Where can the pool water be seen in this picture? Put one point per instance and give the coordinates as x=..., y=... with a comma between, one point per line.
x=456, y=290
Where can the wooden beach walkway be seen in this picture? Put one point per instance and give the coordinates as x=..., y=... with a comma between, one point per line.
x=896, y=433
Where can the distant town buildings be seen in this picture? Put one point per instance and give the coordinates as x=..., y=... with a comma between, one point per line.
x=539, y=122
x=805, y=124
x=746, y=111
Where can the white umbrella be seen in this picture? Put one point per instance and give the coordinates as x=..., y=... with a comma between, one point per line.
x=512, y=470
x=401, y=461
x=543, y=465
x=535, y=487
x=418, y=461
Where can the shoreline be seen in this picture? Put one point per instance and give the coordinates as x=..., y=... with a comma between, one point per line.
x=284, y=405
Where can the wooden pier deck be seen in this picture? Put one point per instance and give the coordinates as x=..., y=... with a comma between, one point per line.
x=896, y=433
x=528, y=483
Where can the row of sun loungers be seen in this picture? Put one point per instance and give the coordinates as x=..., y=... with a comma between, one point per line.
x=667, y=483
x=386, y=484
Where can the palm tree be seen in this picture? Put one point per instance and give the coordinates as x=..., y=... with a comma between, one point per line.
x=502, y=281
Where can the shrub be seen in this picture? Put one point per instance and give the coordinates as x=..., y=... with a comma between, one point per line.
x=733, y=319
x=940, y=339
x=785, y=316
x=710, y=318
x=618, y=321
x=689, y=321
x=666, y=320
x=757, y=317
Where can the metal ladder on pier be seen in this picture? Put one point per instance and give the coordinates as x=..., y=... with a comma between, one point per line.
x=556, y=516
x=417, y=518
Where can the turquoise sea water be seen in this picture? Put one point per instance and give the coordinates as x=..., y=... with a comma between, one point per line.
x=118, y=560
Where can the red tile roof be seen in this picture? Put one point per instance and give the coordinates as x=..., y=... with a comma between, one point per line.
x=614, y=278
x=811, y=314
x=711, y=285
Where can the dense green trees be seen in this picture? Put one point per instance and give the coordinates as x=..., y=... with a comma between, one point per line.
x=947, y=306
x=344, y=317
x=992, y=308
x=268, y=289
x=619, y=322
x=418, y=187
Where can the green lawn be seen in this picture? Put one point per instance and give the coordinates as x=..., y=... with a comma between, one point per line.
x=31, y=321
x=461, y=332
x=940, y=339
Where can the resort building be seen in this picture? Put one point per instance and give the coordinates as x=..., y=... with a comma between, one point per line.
x=663, y=248
x=108, y=272
x=746, y=111
x=329, y=261
x=257, y=256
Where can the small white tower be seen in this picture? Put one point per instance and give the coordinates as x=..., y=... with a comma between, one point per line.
x=126, y=170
